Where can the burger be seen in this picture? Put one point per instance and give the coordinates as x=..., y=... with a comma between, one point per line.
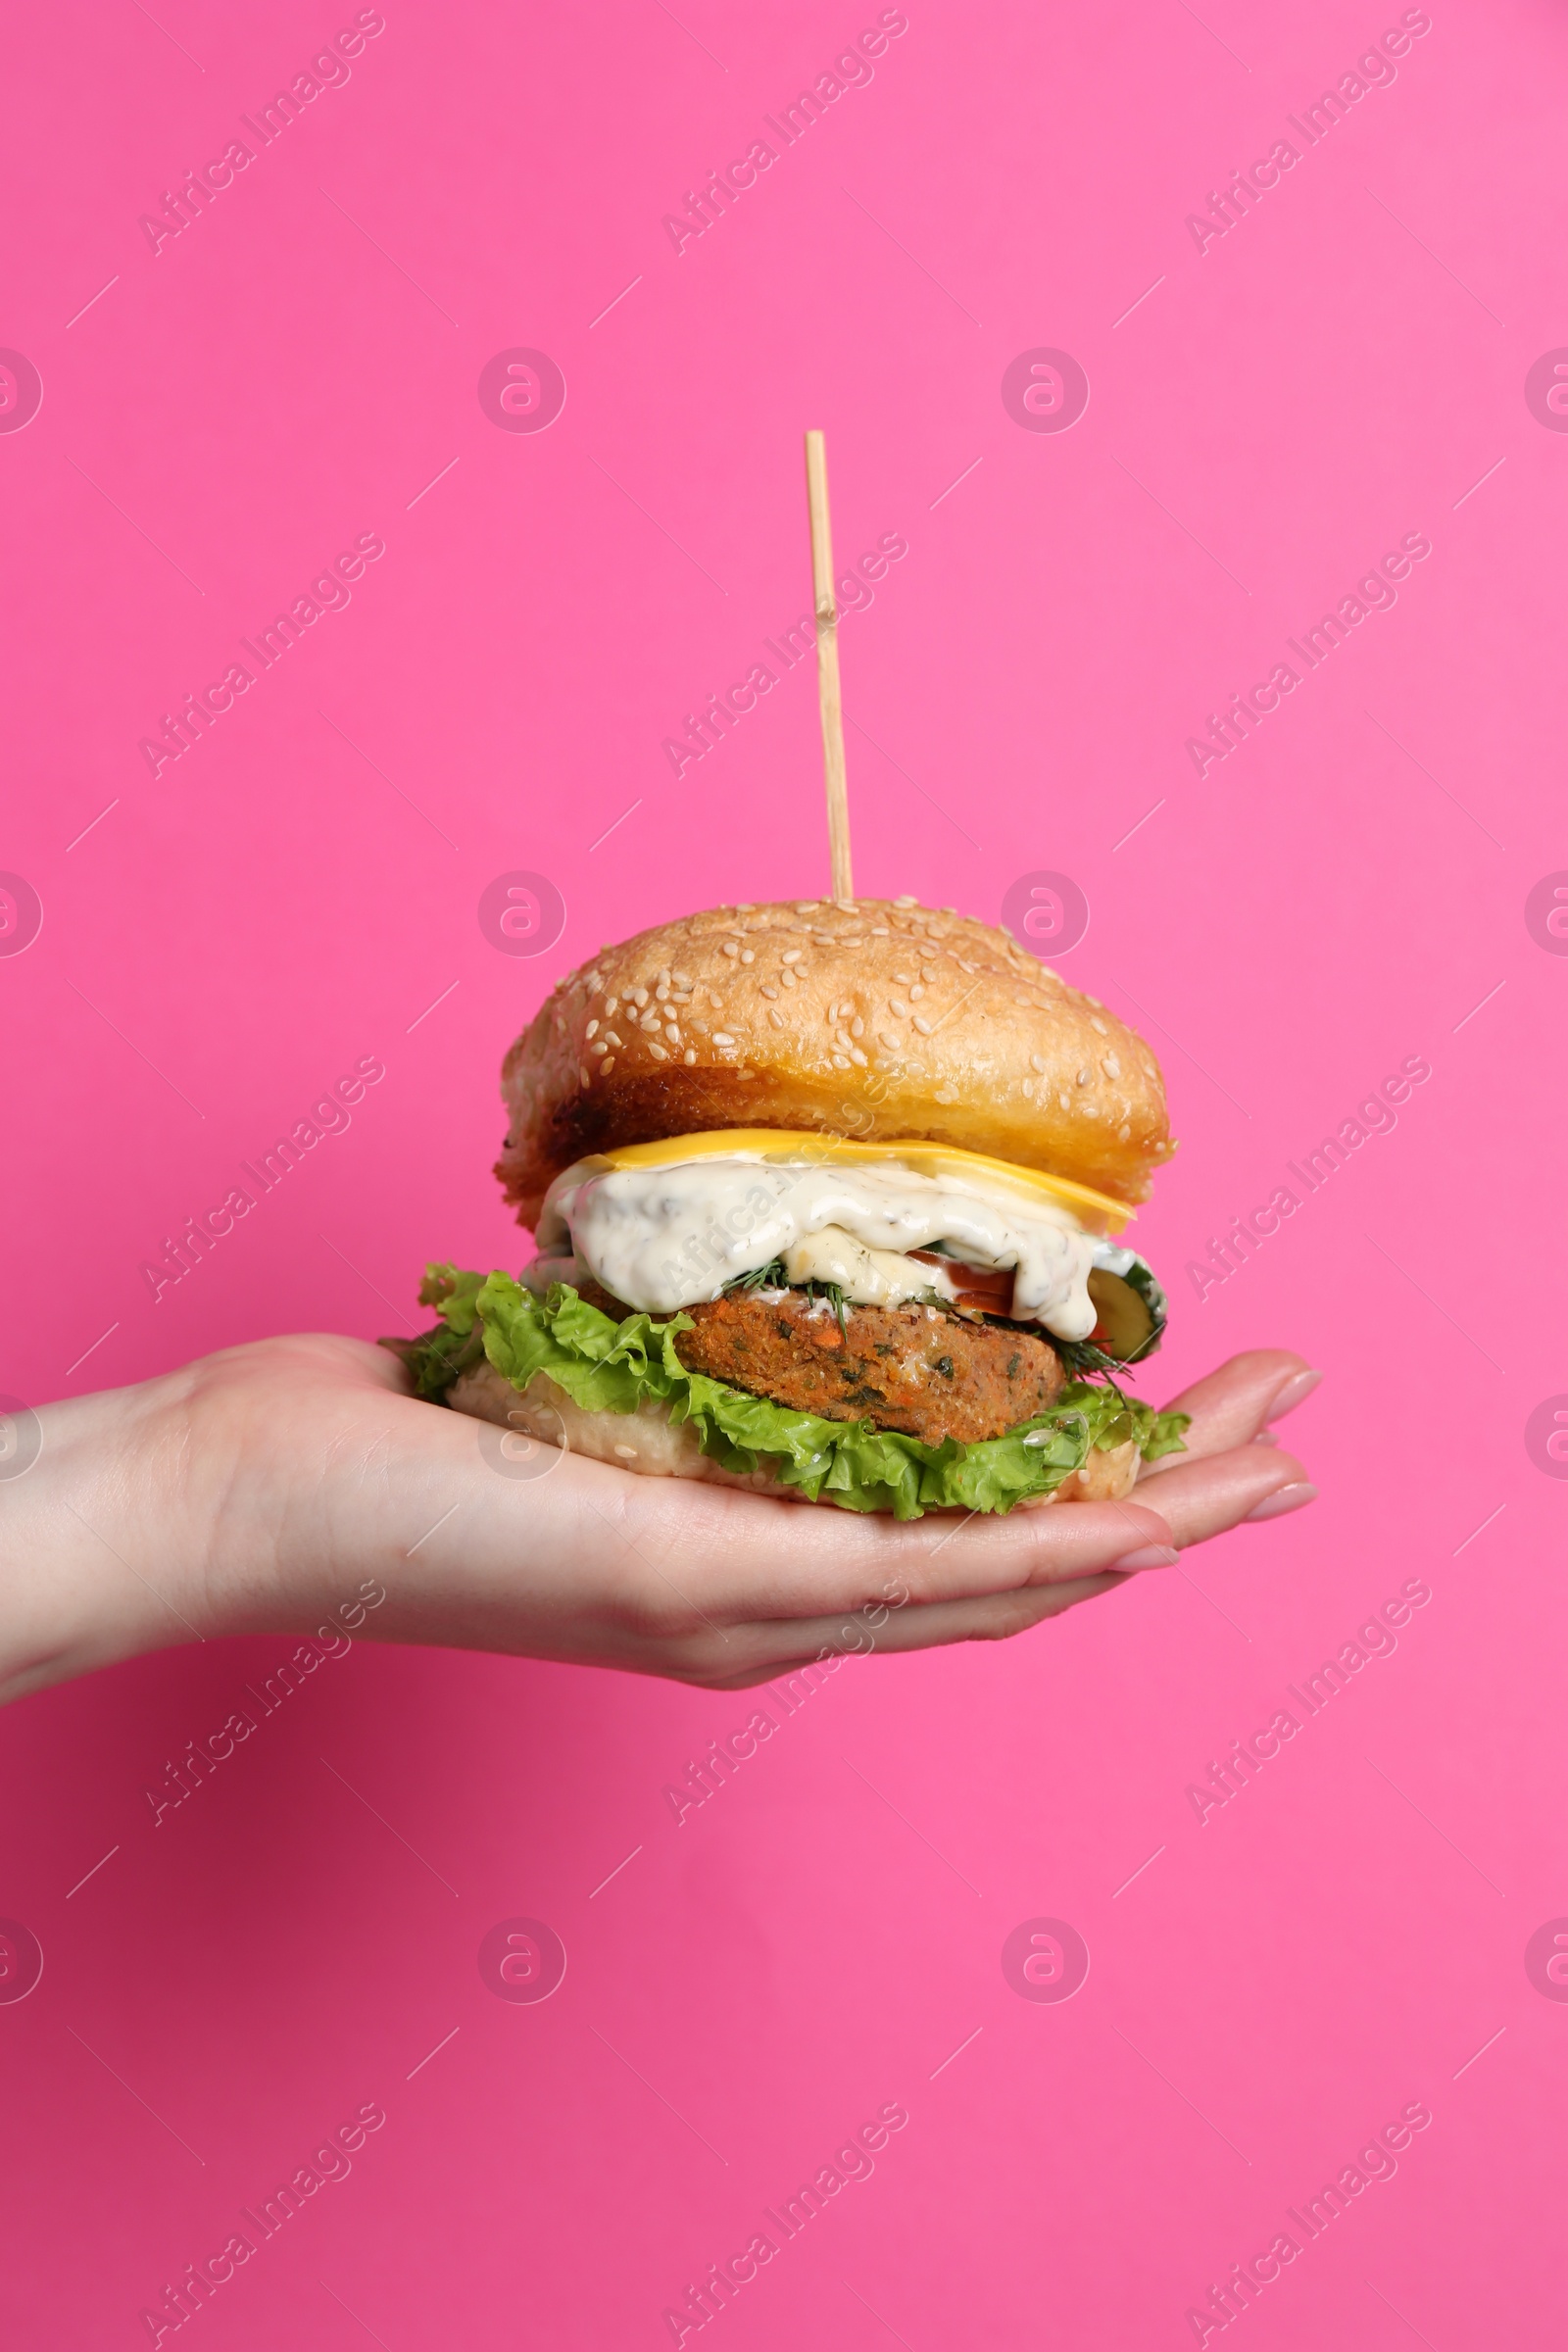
x=826, y=1199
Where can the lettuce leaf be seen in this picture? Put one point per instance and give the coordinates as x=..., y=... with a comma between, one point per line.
x=441, y=1356
x=606, y=1366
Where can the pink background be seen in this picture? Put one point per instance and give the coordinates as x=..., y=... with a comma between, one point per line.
x=297, y=367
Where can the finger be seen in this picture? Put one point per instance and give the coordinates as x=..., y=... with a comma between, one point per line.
x=747, y=1557
x=1221, y=1492
x=784, y=1649
x=1203, y=1499
x=322, y=1356
x=1230, y=1406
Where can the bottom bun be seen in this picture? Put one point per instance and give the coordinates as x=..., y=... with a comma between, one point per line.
x=1104, y=1477
x=653, y=1446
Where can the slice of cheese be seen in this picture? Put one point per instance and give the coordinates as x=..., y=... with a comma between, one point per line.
x=943, y=1162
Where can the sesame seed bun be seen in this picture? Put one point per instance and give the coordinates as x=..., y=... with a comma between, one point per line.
x=883, y=1020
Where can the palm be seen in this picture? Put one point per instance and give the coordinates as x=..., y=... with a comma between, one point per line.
x=307, y=1470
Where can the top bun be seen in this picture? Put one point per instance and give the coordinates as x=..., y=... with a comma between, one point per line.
x=882, y=1022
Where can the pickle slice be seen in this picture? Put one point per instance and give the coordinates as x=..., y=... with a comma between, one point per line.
x=1128, y=1327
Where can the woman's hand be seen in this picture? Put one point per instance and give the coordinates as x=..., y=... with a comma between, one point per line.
x=274, y=1486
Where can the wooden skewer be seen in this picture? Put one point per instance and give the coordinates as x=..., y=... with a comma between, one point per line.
x=829, y=696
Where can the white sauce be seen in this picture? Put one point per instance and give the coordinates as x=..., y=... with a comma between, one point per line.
x=867, y=1277
x=671, y=1237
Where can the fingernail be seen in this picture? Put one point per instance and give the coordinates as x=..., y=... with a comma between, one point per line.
x=1295, y=1390
x=1283, y=1499
x=1148, y=1555
x=1265, y=1437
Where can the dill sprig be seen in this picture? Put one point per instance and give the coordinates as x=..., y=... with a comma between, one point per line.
x=833, y=1292
x=760, y=1278
x=771, y=1277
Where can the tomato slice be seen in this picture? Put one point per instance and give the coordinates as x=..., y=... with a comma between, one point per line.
x=987, y=1289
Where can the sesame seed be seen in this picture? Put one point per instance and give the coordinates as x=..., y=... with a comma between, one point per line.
x=880, y=931
x=730, y=946
x=1065, y=1101
x=1037, y=1063
x=1111, y=1067
x=857, y=1027
x=583, y=1073
x=1124, y=1131
x=663, y=977
x=600, y=1047
x=673, y=1032
x=792, y=955
x=747, y=955
x=776, y=1017
x=1083, y=1077
x=657, y=1051
x=638, y=995
x=769, y=991
x=883, y=1039
x=1095, y=1022
x=610, y=1039
x=789, y=979
x=841, y=1062
x=607, y=1065
x=690, y=1056
x=627, y=1453
x=906, y=902
x=592, y=1029
x=897, y=1007
x=723, y=1037
x=611, y=1004
x=917, y=991
x=857, y=1057
x=924, y=1027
